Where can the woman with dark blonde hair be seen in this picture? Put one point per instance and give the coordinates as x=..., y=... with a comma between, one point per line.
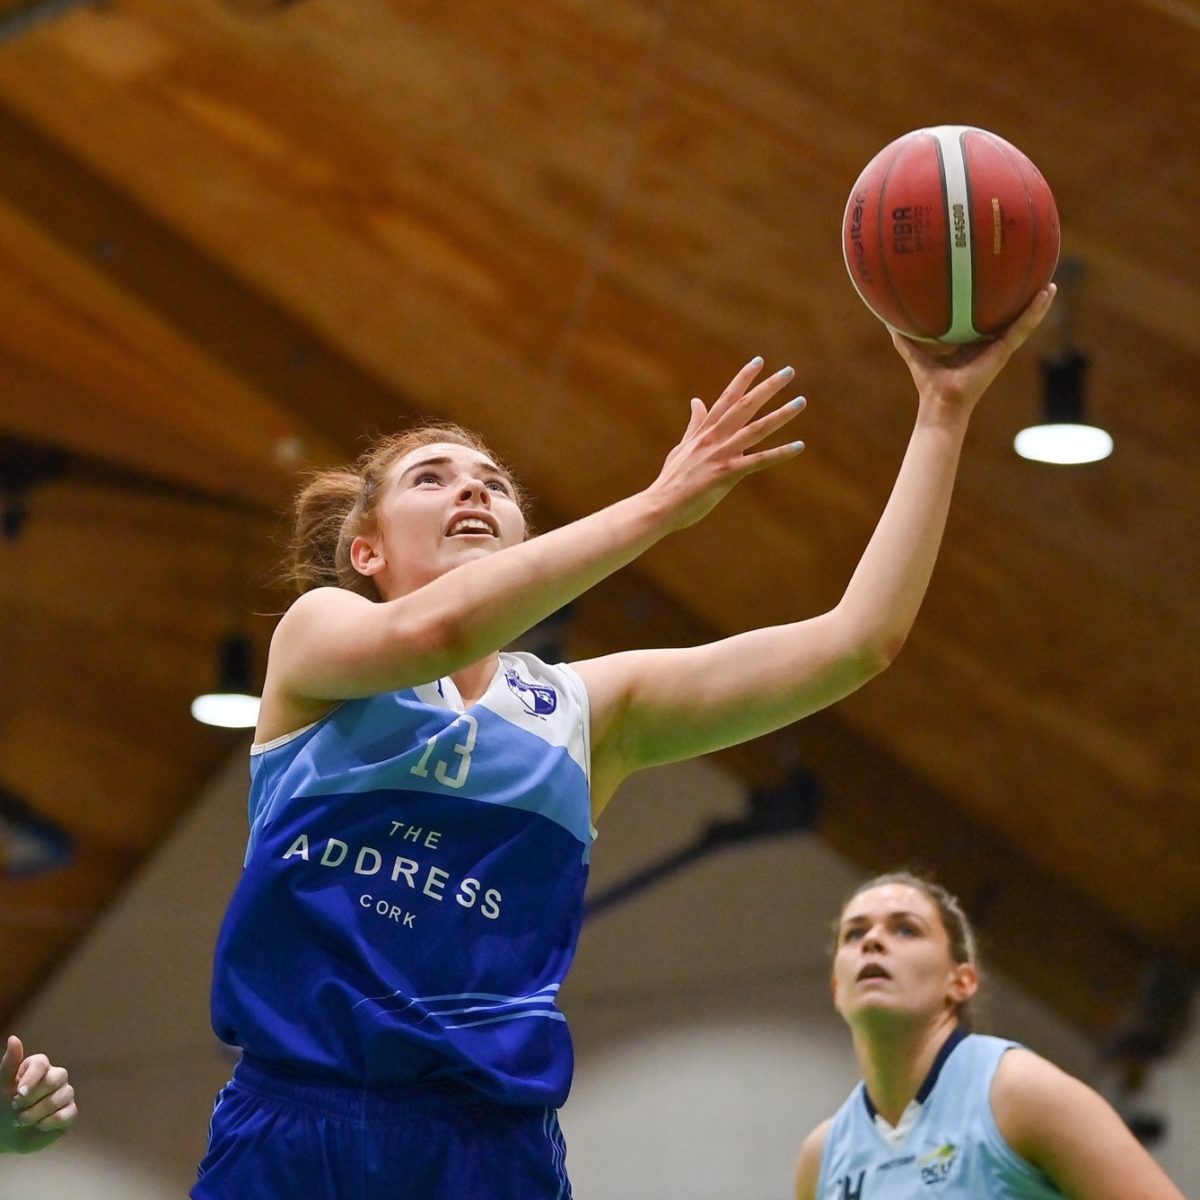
x=423, y=803
x=942, y=1111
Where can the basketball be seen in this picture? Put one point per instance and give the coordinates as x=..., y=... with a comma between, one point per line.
x=948, y=233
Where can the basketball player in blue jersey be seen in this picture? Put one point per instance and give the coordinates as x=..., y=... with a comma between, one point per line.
x=940, y=1110
x=39, y=1100
x=422, y=804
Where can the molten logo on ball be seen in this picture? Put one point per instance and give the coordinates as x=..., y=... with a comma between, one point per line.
x=948, y=234
x=854, y=213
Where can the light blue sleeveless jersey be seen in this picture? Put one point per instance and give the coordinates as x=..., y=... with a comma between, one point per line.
x=953, y=1149
x=413, y=889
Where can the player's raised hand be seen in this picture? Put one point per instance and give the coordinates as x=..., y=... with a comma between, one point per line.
x=961, y=374
x=717, y=449
x=38, y=1099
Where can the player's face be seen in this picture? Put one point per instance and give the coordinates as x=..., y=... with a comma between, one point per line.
x=893, y=959
x=443, y=505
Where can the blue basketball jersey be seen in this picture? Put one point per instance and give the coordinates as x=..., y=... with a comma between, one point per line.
x=413, y=889
x=947, y=1144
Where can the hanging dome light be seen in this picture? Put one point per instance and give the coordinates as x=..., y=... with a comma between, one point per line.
x=1064, y=436
x=232, y=705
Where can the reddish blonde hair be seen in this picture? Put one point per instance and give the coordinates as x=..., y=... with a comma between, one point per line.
x=336, y=506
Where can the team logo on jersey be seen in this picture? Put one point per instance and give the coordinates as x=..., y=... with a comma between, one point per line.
x=937, y=1164
x=538, y=698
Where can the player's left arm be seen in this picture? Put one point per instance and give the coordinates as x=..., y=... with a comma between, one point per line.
x=39, y=1100
x=1061, y=1125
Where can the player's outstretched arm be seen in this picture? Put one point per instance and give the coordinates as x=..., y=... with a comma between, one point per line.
x=38, y=1098
x=333, y=644
x=1072, y=1133
x=657, y=706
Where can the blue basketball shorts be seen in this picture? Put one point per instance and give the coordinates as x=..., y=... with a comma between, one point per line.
x=277, y=1135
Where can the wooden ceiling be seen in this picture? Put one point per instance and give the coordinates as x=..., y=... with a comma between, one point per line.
x=237, y=237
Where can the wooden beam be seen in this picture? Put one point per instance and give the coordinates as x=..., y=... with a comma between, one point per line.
x=278, y=355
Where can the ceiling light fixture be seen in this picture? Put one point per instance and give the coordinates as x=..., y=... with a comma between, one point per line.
x=233, y=704
x=1064, y=436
